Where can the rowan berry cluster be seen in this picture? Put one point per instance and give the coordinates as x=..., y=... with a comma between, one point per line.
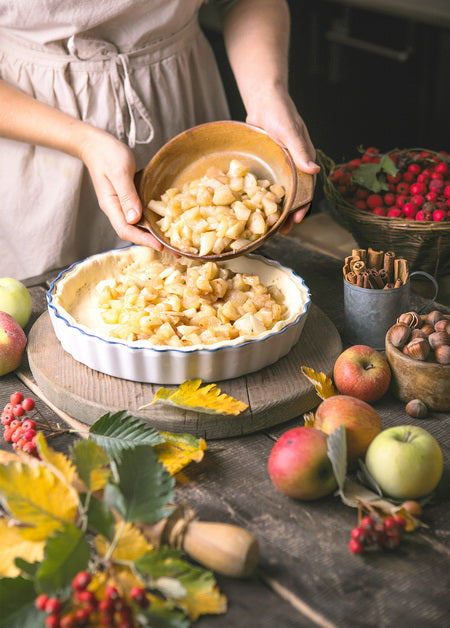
x=19, y=428
x=419, y=191
x=374, y=531
x=84, y=608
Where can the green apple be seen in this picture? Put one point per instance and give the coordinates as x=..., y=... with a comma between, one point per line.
x=15, y=300
x=405, y=461
x=299, y=466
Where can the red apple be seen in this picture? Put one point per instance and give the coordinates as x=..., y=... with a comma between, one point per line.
x=362, y=423
x=12, y=343
x=299, y=465
x=362, y=372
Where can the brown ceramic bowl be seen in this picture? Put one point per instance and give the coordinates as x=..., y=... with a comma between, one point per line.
x=188, y=155
x=413, y=379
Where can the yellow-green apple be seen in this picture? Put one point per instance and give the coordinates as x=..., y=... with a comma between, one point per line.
x=362, y=422
x=12, y=343
x=405, y=461
x=362, y=372
x=299, y=466
x=15, y=299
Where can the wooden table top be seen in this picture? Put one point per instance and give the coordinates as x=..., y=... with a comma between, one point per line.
x=306, y=575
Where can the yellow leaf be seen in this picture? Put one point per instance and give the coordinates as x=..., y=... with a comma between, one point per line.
x=118, y=576
x=204, y=602
x=99, y=478
x=38, y=498
x=322, y=383
x=208, y=399
x=8, y=456
x=309, y=419
x=178, y=450
x=130, y=543
x=58, y=462
x=12, y=546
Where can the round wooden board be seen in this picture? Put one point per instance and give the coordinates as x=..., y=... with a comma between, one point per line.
x=274, y=394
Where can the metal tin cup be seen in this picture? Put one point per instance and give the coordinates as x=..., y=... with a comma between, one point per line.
x=369, y=312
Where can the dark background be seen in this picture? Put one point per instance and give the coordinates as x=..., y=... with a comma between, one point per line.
x=394, y=94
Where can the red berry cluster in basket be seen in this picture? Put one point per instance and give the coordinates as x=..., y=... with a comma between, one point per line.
x=373, y=531
x=419, y=189
x=84, y=608
x=19, y=428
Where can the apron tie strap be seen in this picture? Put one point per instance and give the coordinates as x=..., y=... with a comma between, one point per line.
x=133, y=102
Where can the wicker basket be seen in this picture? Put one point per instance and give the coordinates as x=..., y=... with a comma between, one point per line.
x=426, y=246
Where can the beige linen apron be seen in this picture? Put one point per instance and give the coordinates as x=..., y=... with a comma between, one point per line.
x=139, y=69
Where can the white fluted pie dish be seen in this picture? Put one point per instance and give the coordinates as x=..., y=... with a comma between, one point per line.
x=73, y=306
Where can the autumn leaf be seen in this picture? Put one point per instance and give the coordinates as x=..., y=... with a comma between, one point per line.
x=358, y=495
x=130, y=543
x=92, y=464
x=202, y=595
x=322, y=383
x=12, y=546
x=38, y=498
x=58, y=462
x=178, y=450
x=191, y=396
x=309, y=419
x=8, y=456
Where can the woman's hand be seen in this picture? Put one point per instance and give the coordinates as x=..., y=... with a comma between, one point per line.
x=277, y=114
x=257, y=40
x=112, y=168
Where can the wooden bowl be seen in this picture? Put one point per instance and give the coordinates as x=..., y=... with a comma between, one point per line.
x=188, y=155
x=413, y=379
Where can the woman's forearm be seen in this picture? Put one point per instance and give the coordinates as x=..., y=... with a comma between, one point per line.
x=25, y=119
x=256, y=34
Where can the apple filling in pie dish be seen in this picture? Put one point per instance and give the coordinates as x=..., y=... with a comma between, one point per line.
x=166, y=306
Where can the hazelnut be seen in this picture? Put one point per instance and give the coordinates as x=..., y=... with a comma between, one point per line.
x=418, y=349
x=418, y=333
x=409, y=318
x=438, y=338
x=442, y=354
x=433, y=317
x=416, y=408
x=442, y=325
x=427, y=329
x=413, y=508
x=399, y=335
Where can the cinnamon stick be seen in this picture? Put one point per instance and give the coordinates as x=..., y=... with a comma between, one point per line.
x=388, y=264
x=375, y=258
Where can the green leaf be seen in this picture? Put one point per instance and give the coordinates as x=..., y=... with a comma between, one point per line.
x=166, y=618
x=144, y=487
x=26, y=567
x=365, y=478
x=366, y=175
x=17, y=597
x=88, y=456
x=337, y=453
x=118, y=432
x=100, y=518
x=166, y=562
x=388, y=165
x=164, y=565
x=66, y=553
x=373, y=176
